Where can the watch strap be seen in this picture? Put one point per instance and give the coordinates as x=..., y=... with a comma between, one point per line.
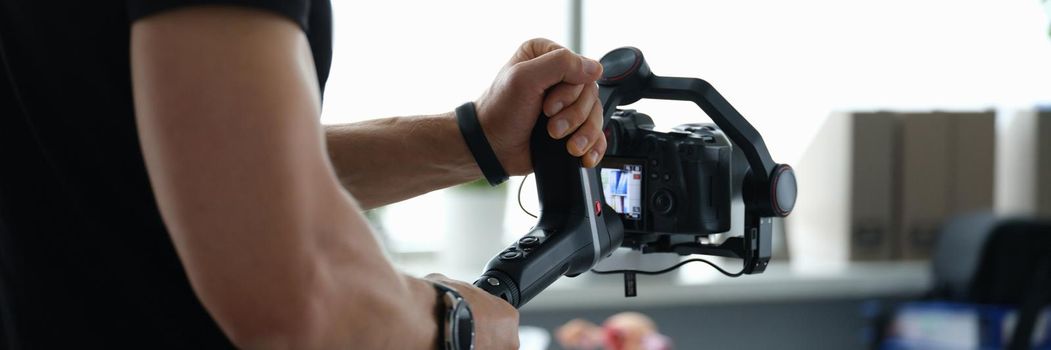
x=441, y=312
x=445, y=314
x=478, y=144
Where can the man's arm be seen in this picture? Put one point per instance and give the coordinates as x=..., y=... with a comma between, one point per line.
x=383, y=161
x=387, y=160
x=227, y=108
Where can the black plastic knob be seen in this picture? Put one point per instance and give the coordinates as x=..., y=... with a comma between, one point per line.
x=510, y=255
x=783, y=190
x=663, y=202
x=528, y=242
x=624, y=65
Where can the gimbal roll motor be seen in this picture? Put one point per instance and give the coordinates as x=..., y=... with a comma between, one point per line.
x=653, y=192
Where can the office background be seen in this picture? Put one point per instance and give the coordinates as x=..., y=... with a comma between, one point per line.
x=800, y=71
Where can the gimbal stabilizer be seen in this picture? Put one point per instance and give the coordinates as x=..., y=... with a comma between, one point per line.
x=576, y=229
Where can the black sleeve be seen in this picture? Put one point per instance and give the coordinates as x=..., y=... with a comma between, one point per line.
x=296, y=10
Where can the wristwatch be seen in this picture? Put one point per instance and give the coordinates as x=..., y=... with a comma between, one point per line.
x=455, y=322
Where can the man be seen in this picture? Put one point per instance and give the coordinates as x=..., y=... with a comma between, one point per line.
x=166, y=183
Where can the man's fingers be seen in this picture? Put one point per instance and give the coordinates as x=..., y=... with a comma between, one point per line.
x=570, y=118
x=560, y=96
x=595, y=154
x=560, y=65
x=534, y=48
x=588, y=134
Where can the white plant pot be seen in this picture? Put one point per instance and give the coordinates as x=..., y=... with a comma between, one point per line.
x=474, y=230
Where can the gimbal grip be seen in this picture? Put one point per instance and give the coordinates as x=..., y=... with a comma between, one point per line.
x=518, y=266
x=573, y=231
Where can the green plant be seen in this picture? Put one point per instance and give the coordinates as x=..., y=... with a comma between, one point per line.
x=480, y=185
x=1047, y=11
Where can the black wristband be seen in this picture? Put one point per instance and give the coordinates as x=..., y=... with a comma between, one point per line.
x=471, y=129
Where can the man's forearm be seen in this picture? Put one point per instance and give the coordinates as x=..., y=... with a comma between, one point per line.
x=388, y=160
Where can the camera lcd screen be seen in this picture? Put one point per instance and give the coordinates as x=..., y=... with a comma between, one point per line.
x=622, y=186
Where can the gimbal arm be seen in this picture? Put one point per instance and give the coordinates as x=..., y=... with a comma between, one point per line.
x=722, y=113
x=769, y=188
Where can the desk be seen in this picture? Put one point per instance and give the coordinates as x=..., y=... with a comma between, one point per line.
x=816, y=307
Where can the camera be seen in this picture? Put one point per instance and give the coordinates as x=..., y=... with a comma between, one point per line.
x=654, y=192
x=675, y=182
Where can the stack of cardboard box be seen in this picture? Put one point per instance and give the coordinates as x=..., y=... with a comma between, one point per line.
x=1043, y=163
x=911, y=172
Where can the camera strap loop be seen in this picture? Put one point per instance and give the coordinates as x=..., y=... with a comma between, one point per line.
x=471, y=129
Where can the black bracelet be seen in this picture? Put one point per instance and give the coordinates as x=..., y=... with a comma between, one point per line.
x=467, y=119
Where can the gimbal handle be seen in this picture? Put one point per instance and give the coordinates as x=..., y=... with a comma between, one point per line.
x=769, y=188
x=575, y=230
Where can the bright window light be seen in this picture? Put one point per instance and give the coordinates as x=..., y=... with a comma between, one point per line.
x=402, y=57
x=785, y=65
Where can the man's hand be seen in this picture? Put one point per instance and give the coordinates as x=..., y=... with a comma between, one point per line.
x=495, y=321
x=426, y=153
x=543, y=77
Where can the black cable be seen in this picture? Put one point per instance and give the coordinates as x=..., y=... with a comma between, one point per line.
x=520, y=196
x=673, y=267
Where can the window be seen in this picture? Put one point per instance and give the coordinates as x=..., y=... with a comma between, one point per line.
x=788, y=65
x=785, y=65
x=401, y=57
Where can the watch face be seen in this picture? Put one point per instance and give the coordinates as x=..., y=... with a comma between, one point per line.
x=464, y=327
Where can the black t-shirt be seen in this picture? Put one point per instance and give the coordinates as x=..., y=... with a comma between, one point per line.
x=85, y=260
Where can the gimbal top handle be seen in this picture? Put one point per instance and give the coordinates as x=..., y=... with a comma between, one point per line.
x=770, y=188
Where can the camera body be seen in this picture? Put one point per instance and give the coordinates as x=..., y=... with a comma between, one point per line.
x=675, y=182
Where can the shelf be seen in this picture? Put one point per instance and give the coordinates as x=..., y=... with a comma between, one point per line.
x=779, y=283
x=698, y=284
